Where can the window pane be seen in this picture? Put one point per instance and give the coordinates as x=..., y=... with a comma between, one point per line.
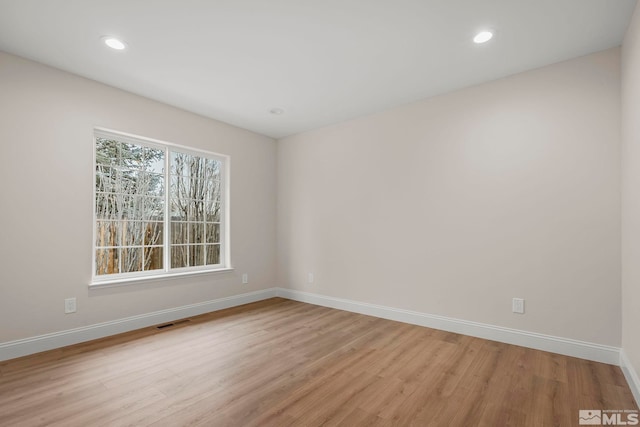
x=196, y=255
x=180, y=164
x=132, y=233
x=153, y=258
x=179, y=210
x=107, y=261
x=106, y=151
x=213, y=210
x=179, y=232
x=213, y=254
x=213, y=190
x=105, y=179
x=179, y=256
x=150, y=184
x=106, y=234
x=196, y=210
x=153, y=208
x=213, y=169
x=180, y=187
x=132, y=259
x=156, y=184
x=213, y=233
x=153, y=233
x=130, y=207
x=106, y=207
x=197, y=168
x=131, y=156
x=154, y=160
x=198, y=187
x=196, y=232
x=130, y=179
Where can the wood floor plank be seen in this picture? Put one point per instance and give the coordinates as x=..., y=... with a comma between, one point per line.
x=284, y=363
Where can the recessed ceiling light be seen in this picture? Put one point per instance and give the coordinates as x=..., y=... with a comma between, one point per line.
x=276, y=111
x=483, y=37
x=114, y=43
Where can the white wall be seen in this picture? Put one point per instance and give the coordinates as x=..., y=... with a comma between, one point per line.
x=456, y=204
x=449, y=206
x=631, y=192
x=46, y=182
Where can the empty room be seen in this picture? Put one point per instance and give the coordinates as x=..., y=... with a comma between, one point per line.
x=305, y=213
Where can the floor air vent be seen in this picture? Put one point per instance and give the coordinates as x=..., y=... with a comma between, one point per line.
x=176, y=323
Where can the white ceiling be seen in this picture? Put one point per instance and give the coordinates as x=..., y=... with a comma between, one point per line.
x=322, y=61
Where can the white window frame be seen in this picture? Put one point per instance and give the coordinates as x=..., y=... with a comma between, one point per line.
x=167, y=271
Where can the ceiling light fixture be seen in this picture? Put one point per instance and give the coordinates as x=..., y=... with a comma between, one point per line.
x=114, y=43
x=276, y=111
x=483, y=37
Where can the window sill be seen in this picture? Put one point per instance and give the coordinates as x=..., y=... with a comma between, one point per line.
x=141, y=279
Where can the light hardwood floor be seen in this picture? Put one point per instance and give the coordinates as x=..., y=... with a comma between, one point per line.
x=281, y=363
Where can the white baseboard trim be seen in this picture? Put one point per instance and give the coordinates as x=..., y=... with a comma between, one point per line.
x=565, y=346
x=569, y=347
x=631, y=375
x=24, y=347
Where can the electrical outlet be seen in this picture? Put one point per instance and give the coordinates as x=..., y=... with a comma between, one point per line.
x=245, y=278
x=310, y=278
x=69, y=305
x=518, y=305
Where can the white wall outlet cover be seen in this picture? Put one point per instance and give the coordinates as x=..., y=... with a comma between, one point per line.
x=518, y=305
x=70, y=305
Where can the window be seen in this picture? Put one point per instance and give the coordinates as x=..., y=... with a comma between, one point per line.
x=159, y=209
